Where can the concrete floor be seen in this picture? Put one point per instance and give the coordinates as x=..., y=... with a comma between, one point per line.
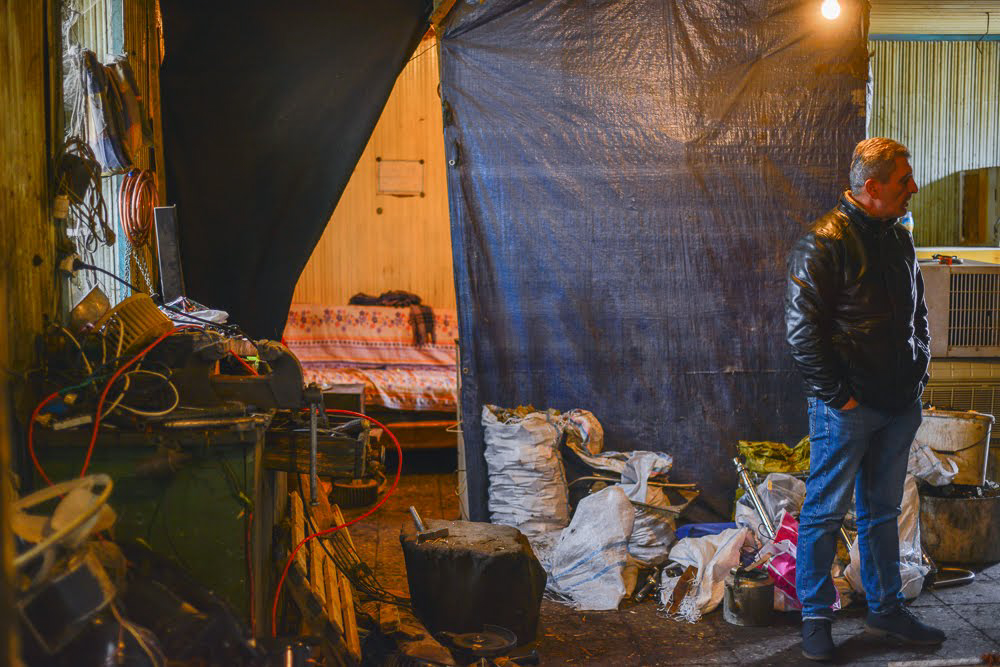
x=639, y=635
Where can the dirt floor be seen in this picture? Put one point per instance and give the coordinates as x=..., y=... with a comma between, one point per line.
x=639, y=635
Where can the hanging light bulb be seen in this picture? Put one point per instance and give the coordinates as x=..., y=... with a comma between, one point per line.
x=830, y=9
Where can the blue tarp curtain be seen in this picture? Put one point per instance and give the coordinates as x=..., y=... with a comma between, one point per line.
x=625, y=178
x=267, y=107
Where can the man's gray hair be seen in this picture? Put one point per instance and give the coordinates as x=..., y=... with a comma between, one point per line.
x=874, y=158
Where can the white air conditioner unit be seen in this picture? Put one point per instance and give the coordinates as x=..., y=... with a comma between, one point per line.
x=963, y=308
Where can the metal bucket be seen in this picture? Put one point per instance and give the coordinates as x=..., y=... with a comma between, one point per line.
x=960, y=530
x=962, y=438
x=749, y=598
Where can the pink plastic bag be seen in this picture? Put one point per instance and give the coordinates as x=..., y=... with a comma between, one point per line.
x=781, y=567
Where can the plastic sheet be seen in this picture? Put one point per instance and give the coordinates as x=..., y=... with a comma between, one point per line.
x=624, y=181
x=767, y=457
x=912, y=569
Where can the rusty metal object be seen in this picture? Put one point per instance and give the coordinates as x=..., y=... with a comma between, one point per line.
x=960, y=530
x=749, y=598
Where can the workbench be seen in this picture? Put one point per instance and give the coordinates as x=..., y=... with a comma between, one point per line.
x=192, y=505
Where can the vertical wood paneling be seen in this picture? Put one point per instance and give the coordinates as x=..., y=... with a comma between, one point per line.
x=408, y=245
x=27, y=282
x=27, y=251
x=941, y=99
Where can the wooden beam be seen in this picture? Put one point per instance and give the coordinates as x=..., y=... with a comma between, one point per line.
x=441, y=9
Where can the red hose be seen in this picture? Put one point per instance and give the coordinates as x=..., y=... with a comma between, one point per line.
x=327, y=531
x=31, y=433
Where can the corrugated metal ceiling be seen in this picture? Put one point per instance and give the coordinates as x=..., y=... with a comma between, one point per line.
x=946, y=17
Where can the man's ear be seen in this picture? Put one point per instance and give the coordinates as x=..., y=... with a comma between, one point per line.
x=872, y=188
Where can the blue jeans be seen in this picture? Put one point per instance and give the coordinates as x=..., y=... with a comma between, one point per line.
x=864, y=450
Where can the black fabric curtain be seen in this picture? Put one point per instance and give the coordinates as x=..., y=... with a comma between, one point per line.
x=625, y=179
x=267, y=107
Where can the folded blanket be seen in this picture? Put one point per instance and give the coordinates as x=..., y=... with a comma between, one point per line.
x=421, y=317
x=422, y=320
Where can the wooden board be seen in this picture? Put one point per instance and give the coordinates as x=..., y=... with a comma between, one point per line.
x=298, y=528
x=331, y=584
x=290, y=452
x=350, y=620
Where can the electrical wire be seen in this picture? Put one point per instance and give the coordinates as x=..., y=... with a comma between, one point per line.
x=333, y=529
x=88, y=211
x=345, y=557
x=155, y=661
x=122, y=369
x=146, y=413
x=86, y=362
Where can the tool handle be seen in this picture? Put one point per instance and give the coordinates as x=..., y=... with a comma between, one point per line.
x=416, y=520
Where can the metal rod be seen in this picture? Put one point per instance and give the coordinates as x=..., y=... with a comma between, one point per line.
x=416, y=520
x=313, y=446
x=747, y=485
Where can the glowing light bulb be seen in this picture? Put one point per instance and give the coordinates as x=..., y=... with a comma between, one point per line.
x=830, y=9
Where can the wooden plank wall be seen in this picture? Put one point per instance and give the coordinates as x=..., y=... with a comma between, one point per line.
x=375, y=243
x=27, y=282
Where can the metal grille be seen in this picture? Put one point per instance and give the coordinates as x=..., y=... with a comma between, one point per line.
x=974, y=310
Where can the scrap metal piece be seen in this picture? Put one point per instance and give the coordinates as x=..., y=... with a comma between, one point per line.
x=748, y=487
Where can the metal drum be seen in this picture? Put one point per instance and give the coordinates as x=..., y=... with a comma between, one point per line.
x=749, y=598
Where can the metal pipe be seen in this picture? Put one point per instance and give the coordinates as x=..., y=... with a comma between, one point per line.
x=313, y=447
x=962, y=576
x=748, y=487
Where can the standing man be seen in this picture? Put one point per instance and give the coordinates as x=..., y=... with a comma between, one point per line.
x=857, y=326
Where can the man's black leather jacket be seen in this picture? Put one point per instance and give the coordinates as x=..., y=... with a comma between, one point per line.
x=854, y=311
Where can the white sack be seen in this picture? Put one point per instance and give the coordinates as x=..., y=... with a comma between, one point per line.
x=589, y=567
x=911, y=567
x=527, y=481
x=714, y=556
x=654, y=530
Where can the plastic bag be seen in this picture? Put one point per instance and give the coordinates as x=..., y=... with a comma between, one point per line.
x=654, y=525
x=527, y=481
x=584, y=431
x=714, y=556
x=925, y=465
x=765, y=457
x=778, y=492
x=589, y=567
x=911, y=566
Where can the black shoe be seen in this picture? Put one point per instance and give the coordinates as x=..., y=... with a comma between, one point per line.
x=817, y=643
x=901, y=624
